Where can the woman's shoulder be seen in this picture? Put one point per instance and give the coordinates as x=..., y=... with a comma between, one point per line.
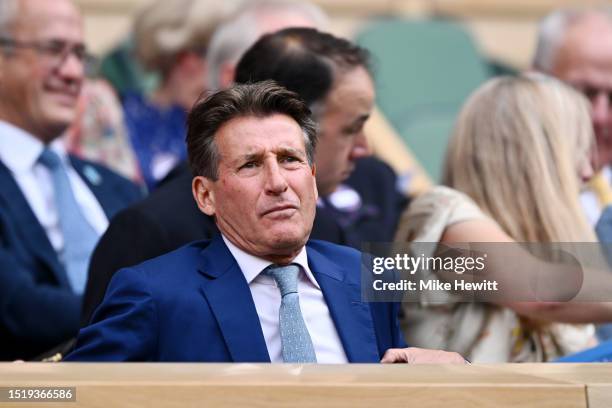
x=429, y=214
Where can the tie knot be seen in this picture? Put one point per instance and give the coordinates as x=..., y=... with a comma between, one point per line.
x=49, y=159
x=285, y=277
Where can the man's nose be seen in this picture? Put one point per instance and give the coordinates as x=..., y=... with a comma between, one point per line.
x=72, y=68
x=360, y=148
x=276, y=183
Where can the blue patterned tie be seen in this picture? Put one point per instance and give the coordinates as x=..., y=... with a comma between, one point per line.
x=79, y=236
x=296, y=342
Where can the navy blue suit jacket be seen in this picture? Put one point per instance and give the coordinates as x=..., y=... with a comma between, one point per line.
x=194, y=304
x=37, y=307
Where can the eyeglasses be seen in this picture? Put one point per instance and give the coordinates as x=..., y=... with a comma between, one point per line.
x=55, y=51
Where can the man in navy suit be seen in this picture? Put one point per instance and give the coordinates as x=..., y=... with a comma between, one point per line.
x=260, y=291
x=53, y=207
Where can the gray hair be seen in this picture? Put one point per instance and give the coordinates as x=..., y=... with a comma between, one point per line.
x=8, y=14
x=236, y=35
x=553, y=27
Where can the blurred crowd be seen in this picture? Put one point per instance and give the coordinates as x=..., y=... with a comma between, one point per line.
x=94, y=172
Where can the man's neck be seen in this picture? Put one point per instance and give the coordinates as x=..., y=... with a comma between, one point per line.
x=278, y=259
x=46, y=136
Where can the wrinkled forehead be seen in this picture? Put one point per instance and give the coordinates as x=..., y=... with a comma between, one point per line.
x=252, y=134
x=57, y=19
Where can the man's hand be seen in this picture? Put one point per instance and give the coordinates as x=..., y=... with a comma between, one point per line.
x=414, y=355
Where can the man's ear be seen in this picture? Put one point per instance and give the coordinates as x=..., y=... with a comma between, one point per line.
x=203, y=193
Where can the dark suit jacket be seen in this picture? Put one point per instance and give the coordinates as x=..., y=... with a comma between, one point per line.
x=37, y=307
x=382, y=204
x=164, y=221
x=194, y=304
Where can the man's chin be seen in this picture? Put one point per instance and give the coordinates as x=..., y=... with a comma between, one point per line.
x=60, y=117
x=54, y=127
x=288, y=240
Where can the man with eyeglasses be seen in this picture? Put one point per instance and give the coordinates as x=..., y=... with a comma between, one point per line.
x=53, y=207
x=575, y=45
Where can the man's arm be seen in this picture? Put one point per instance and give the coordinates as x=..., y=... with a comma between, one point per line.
x=35, y=312
x=123, y=327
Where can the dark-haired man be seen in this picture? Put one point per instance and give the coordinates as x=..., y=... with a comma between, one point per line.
x=260, y=291
x=333, y=76
x=337, y=85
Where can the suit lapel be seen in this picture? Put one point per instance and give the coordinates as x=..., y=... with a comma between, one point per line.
x=351, y=316
x=99, y=186
x=31, y=233
x=230, y=300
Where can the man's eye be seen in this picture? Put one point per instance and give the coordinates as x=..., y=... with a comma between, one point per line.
x=249, y=165
x=352, y=130
x=54, y=47
x=290, y=159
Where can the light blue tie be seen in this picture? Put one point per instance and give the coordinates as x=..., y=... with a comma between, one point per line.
x=296, y=342
x=79, y=236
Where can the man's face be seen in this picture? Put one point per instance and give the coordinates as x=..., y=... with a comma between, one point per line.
x=39, y=87
x=265, y=196
x=341, y=138
x=584, y=60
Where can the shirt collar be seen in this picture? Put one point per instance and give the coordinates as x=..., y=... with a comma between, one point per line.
x=20, y=150
x=252, y=266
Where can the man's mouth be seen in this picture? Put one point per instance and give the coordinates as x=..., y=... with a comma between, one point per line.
x=281, y=210
x=64, y=98
x=65, y=94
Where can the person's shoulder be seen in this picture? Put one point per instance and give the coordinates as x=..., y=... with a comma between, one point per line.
x=168, y=197
x=172, y=208
x=442, y=198
x=332, y=250
x=326, y=257
x=372, y=175
x=430, y=213
x=186, y=254
x=171, y=269
x=96, y=174
x=374, y=165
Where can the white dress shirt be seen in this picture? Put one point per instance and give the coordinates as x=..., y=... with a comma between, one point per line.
x=19, y=151
x=267, y=298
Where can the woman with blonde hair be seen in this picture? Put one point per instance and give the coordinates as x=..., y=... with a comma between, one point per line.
x=515, y=163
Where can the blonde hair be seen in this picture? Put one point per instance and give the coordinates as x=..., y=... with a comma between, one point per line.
x=515, y=151
x=165, y=28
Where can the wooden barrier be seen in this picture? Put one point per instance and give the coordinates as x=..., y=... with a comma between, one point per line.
x=258, y=385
